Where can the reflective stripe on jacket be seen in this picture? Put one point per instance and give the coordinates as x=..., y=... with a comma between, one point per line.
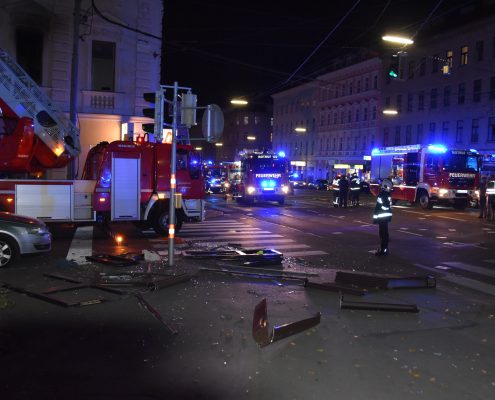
x=383, y=208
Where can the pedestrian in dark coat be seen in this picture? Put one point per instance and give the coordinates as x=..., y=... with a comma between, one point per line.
x=343, y=191
x=355, y=189
x=482, y=197
x=383, y=215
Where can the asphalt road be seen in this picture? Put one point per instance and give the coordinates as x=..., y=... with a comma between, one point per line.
x=118, y=349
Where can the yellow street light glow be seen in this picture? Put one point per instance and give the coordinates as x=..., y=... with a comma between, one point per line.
x=219, y=144
x=198, y=148
x=119, y=239
x=300, y=129
x=390, y=112
x=251, y=138
x=238, y=102
x=397, y=39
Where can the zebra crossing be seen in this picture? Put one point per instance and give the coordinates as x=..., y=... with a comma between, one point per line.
x=248, y=237
x=478, y=277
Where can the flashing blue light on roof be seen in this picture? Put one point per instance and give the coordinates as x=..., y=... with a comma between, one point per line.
x=437, y=148
x=194, y=162
x=295, y=175
x=281, y=154
x=210, y=162
x=268, y=183
x=473, y=150
x=375, y=151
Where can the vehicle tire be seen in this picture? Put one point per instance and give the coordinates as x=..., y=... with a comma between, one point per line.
x=160, y=222
x=424, y=200
x=281, y=201
x=9, y=251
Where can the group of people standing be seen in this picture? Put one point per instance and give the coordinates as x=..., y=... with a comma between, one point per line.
x=347, y=188
x=487, y=198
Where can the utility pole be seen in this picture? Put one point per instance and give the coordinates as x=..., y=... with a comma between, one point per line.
x=74, y=77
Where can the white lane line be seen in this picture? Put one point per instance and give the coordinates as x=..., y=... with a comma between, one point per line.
x=231, y=237
x=81, y=245
x=223, y=229
x=305, y=253
x=410, y=233
x=470, y=268
x=282, y=246
x=452, y=218
x=463, y=281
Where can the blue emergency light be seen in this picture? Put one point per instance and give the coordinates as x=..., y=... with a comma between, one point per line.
x=437, y=148
x=268, y=183
x=281, y=154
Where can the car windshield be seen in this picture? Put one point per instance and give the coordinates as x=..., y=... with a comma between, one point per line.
x=268, y=165
x=461, y=163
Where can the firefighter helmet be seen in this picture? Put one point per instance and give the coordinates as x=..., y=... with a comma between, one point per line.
x=387, y=185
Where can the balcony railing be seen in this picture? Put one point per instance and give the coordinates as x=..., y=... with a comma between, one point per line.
x=99, y=102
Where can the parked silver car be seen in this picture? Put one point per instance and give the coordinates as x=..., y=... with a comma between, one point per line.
x=21, y=235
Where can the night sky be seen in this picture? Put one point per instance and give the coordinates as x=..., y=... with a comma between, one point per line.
x=225, y=49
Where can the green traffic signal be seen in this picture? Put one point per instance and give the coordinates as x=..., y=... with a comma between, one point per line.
x=392, y=73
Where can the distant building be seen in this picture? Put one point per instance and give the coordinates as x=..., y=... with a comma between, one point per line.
x=295, y=113
x=116, y=65
x=246, y=128
x=445, y=92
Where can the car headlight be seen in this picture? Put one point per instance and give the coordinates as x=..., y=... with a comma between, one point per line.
x=251, y=189
x=443, y=192
x=38, y=230
x=285, y=189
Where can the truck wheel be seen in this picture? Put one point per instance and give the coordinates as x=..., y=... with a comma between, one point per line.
x=9, y=251
x=425, y=201
x=281, y=201
x=160, y=223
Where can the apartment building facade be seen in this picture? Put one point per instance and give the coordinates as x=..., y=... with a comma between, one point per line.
x=116, y=65
x=445, y=92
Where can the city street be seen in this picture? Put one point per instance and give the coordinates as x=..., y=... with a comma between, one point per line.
x=117, y=349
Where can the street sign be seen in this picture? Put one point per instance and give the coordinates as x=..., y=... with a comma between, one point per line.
x=212, y=123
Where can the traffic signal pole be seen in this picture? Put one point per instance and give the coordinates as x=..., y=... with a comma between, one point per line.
x=173, y=180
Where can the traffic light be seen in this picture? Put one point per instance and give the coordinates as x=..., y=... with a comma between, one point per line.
x=156, y=112
x=393, y=70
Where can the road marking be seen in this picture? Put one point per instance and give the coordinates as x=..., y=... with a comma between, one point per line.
x=442, y=267
x=463, y=281
x=305, y=253
x=452, y=218
x=410, y=233
x=221, y=229
x=81, y=245
x=231, y=237
x=282, y=247
x=470, y=268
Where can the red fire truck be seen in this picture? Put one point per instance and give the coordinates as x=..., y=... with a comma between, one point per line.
x=263, y=176
x=122, y=180
x=428, y=175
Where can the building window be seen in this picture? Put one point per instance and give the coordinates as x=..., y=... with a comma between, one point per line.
x=434, y=64
x=397, y=136
x=385, y=137
x=103, y=66
x=475, y=130
x=399, y=103
x=375, y=82
x=342, y=117
x=350, y=88
x=335, y=117
x=433, y=98
x=479, y=51
x=366, y=83
x=422, y=67
x=359, y=86
x=461, y=93
x=357, y=115
x=349, y=116
x=410, y=69
x=464, y=55
x=365, y=117
x=477, y=91
x=421, y=101
x=459, y=131
x=387, y=102
x=364, y=143
x=450, y=58
x=408, y=134
x=431, y=132
x=334, y=144
x=419, y=134
x=256, y=120
x=356, y=142
x=341, y=144
x=445, y=132
x=246, y=121
x=409, y=102
x=29, y=53
x=493, y=47
x=329, y=116
x=446, y=96
x=492, y=88
x=491, y=129
x=373, y=113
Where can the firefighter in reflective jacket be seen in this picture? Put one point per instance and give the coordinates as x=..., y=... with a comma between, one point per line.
x=355, y=189
x=383, y=215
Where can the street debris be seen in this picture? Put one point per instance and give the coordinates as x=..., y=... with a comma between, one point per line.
x=257, y=275
x=238, y=254
x=335, y=287
x=148, y=307
x=378, y=281
x=364, y=305
x=262, y=334
x=116, y=261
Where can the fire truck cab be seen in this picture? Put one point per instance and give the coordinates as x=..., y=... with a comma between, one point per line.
x=263, y=176
x=427, y=175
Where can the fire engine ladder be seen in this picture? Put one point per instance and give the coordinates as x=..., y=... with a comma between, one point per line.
x=27, y=99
